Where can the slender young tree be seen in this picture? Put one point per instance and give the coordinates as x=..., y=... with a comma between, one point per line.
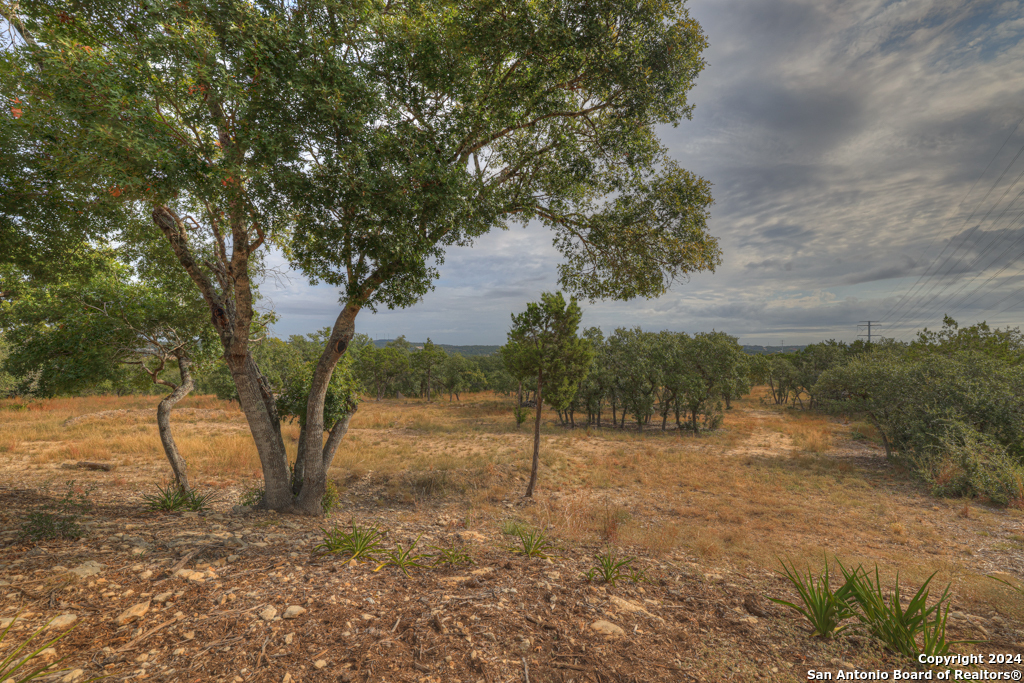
x=543, y=344
x=76, y=332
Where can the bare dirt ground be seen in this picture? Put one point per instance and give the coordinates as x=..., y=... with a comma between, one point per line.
x=707, y=519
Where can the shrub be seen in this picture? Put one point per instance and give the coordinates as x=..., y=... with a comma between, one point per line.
x=610, y=567
x=453, y=557
x=62, y=521
x=404, y=558
x=972, y=464
x=532, y=542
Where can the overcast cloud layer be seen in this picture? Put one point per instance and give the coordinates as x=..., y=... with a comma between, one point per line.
x=866, y=165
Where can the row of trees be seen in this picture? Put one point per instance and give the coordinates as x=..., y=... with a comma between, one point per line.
x=362, y=139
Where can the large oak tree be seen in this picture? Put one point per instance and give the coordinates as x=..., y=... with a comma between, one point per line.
x=364, y=138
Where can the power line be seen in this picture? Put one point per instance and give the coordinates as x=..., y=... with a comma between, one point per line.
x=928, y=273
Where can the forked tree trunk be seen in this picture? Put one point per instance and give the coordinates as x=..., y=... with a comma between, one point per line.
x=230, y=304
x=163, y=421
x=536, y=440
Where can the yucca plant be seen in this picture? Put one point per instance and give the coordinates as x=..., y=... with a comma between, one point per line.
x=361, y=542
x=824, y=608
x=404, y=558
x=532, y=543
x=18, y=667
x=168, y=498
x=196, y=501
x=609, y=567
x=453, y=557
x=898, y=627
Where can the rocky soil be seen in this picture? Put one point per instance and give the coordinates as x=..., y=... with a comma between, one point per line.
x=244, y=597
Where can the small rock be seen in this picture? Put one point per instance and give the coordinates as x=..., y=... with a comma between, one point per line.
x=59, y=569
x=320, y=663
x=714, y=578
x=293, y=611
x=179, y=651
x=73, y=677
x=137, y=568
x=233, y=558
x=49, y=653
x=133, y=613
x=146, y=575
x=189, y=635
x=287, y=678
x=607, y=628
x=6, y=621
x=88, y=568
x=63, y=621
x=163, y=597
x=289, y=638
x=268, y=613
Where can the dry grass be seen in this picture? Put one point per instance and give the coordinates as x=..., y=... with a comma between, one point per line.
x=772, y=482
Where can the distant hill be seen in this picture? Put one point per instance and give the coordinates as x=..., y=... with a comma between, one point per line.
x=767, y=350
x=472, y=350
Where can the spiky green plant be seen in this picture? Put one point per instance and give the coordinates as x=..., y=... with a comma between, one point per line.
x=532, y=542
x=896, y=626
x=824, y=608
x=453, y=557
x=404, y=558
x=169, y=498
x=359, y=543
x=609, y=567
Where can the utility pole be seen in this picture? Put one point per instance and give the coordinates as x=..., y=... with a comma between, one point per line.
x=868, y=324
x=783, y=346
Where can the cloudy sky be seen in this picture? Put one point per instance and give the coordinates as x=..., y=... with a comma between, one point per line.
x=866, y=164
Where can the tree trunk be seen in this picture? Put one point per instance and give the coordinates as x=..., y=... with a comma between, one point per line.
x=299, y=471
x=313, y=451
x=163, y=421
x=536, y=440
x=230, y=304
x=266, y=432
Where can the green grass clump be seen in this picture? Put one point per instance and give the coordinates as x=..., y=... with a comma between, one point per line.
x=171, y=498
x=404, y=558
x=61, y=521
x=359, y=543
x=532, y=542
x=453, y=557
x=610, y=568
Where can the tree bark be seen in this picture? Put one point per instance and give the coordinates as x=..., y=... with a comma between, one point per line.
x=163, y=421
x=231, y=314
x=536, y=440
x=312, y=447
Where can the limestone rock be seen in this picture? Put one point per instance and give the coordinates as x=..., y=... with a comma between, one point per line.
x=268, y=613
x=293, y=611
x=63, y=621
x=133, y=613
x=73, y=676
x=607, y=628
x=86, y=569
